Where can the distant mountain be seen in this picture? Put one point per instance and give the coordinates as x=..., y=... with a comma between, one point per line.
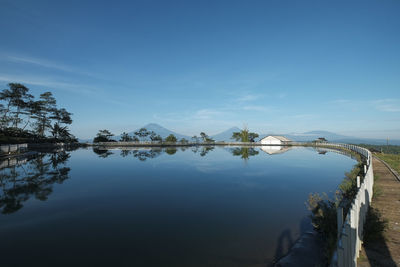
x=310, y=136
x=158, y=129
x=307, y=136
x=225, y=135
x=333, y=137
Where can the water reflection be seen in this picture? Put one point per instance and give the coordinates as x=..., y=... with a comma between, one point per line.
x=275, y=149
x=143, y=155
x=35, y=178
x=198, y=207
x=102, y=152
x=202, y=150
x=244, y=152
x=170, y=150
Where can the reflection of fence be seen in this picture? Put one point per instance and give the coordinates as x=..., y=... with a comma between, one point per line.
x=351, y=225
x=10, y=149
x=10, y=162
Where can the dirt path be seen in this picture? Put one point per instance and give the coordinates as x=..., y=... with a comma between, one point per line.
x=386, y=250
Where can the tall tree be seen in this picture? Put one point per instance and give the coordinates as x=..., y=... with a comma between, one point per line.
x=142, y=133
x=44, y=110
x=125, y=137
x=103, y=136
x=205, y=137
x=244, y=135
x=61, y=116
x=16, y=99
x=155, y=137
x=171, y=138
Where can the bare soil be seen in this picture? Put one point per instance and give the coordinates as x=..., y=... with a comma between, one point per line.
x=385, y=250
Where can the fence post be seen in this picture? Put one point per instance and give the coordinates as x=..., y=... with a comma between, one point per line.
x=339, y=221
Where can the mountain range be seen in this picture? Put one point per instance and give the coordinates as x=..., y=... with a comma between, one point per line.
x=306, y=136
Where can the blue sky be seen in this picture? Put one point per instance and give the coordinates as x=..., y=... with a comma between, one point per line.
x=191, y=66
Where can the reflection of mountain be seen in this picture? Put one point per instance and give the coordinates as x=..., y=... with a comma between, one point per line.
x=36, y=178
x=275, y=149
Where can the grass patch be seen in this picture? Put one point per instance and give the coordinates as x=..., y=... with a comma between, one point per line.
x=390, y=149
x=392, y=159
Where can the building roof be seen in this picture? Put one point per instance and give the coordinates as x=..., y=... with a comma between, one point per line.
x=279, y=137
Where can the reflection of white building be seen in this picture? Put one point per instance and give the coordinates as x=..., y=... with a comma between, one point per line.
x=275, y=140
x=275, y=149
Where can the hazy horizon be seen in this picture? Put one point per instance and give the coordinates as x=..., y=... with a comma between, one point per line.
x=192, y=66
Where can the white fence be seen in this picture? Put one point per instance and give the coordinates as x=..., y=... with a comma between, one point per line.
x=9, y=149
x=351, y=225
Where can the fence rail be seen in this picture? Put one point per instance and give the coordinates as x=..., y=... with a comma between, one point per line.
x=351, y=224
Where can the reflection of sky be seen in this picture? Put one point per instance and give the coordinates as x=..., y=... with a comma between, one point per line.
x=216, y=208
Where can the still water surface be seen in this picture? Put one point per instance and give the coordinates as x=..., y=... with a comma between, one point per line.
x=161, y=207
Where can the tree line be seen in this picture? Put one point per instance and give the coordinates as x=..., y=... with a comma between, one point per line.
x=143, y=135
x=24, y=118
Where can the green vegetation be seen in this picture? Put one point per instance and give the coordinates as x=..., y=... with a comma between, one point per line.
x=171, y=138
x=103, y=136
x=244, y=152
x=389, y=149
x=142, y=133
x=244, y=136
x=324, y=210
x=155, y=137
x=392, y=159
x=206, y=138
x=24, y=119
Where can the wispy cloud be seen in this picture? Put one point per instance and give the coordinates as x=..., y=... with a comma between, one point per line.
x=47, y=82
x=340, y=101
x=248, y=97
x=45, y=63
x=387, y=105
x=257, y=108
x=206, y=114
x=39, y=62
x=281, y=95
x=51, y=83
x=303, y=116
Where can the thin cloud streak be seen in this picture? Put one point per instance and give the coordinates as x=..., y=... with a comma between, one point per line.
x=387, y=105
x=80, y=89
x=44, y=63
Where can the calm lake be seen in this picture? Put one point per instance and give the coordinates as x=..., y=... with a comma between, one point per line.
x=197, y=206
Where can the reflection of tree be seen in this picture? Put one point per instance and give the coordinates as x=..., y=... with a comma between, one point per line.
x=205, y=149
x=125, y=153
x=170, y=150
x=36, y=178
x=202, y=149
x=102, y=152
x=244, y=152
x=143, y=155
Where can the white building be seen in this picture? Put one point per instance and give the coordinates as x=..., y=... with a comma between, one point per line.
x=275, y=140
